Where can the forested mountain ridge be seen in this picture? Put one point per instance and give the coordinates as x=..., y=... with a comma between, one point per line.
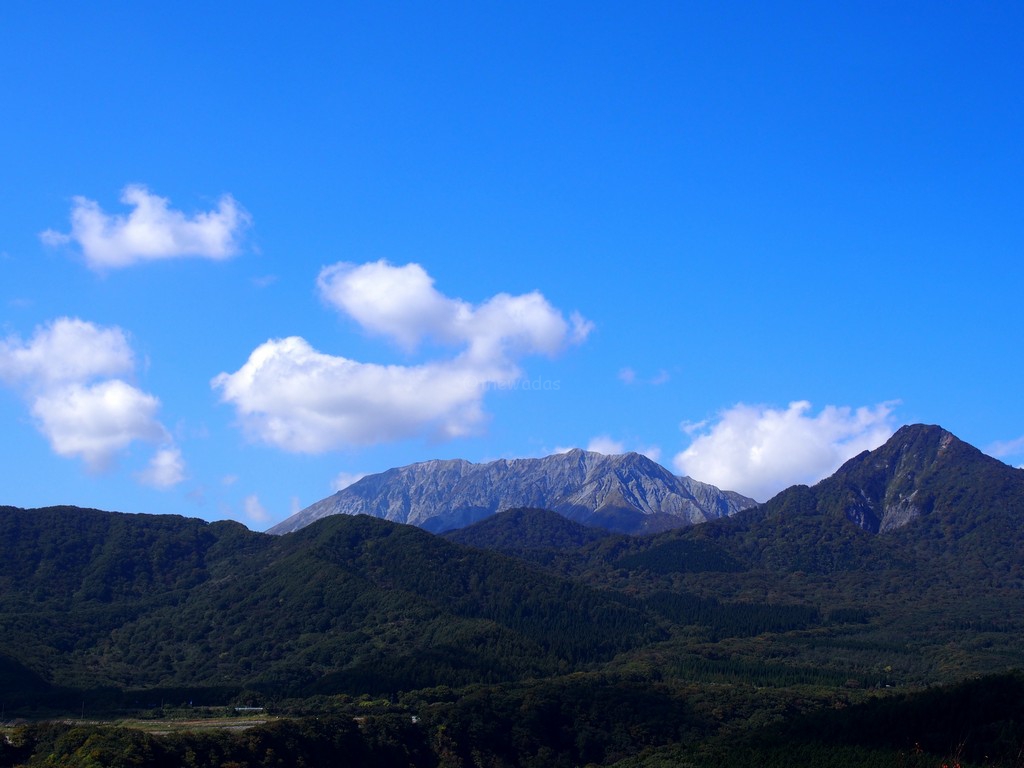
x=523, y=530
x=912, y=504
x=921, y=470
x=530, y=639
x=629, y=493
x=940, y=595
x=917, y=501
x=74, y=553
x=350, y=603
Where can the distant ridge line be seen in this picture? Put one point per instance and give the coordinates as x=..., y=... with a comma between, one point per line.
x=627, y=493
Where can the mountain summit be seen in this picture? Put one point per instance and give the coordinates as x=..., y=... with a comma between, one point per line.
x=925, y=502
x=921, y=471
x=627, y=493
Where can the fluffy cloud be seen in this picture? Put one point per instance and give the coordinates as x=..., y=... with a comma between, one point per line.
x=96, y=422
x=254, y=510
x=611, y=447
x=151, y=231
x=397, y=302
x=401, y=303
x=344, y=479
x=652, y=452
x=292, y=396
x=606, y=445
x=759, y=451
x=57, y=372
x=166, y=469
x=67, y=350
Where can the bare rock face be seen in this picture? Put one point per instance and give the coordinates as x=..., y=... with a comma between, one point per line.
x=627, y=493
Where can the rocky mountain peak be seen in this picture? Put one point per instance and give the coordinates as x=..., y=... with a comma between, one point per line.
x=627, y=492
x=885, y=489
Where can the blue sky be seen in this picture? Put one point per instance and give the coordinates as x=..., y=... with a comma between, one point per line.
x=250, y=252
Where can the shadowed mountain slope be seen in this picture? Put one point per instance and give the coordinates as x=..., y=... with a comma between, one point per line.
x=525, y=530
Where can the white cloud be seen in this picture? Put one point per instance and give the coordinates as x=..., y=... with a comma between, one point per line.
x=166, y=469
x=606, y=445
x=581, y=328
x=610, y=447
x=652, y=452
x=662, y=377
x=398, y=302
x=254, y=510
x=629, y=376
x=759, y=450
x=344, y=479
x=290, y=395
x=151, y=231
x=57, y=372
x=692, y=427
x=1004, y=448
x=67, y=350
x=401, y=303
x=97, y=421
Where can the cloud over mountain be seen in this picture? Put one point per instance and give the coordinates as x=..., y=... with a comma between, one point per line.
x=151, y=231
x=1003, y=449
x=292, y=396
x=758, y=450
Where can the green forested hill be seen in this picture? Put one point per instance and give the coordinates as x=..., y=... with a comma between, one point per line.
x=931, y=591
x=68, y=555
x=535, y=535
x=525, y=530
x=903, y=568
x=69, y=577
x=349, y=604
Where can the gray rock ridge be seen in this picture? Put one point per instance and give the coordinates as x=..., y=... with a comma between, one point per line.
x=628, y=493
